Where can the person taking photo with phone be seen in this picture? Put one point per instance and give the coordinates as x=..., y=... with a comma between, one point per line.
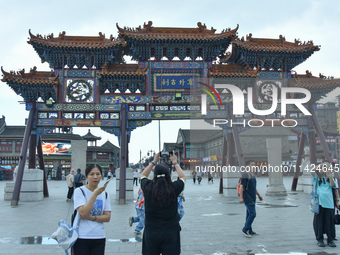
x=162, y=230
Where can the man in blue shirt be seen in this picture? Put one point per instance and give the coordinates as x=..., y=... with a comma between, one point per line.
x=248, y=194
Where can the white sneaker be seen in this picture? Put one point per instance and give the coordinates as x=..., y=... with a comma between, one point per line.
x=246, y=233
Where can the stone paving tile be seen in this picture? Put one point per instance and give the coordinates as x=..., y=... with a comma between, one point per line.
x=211, y=226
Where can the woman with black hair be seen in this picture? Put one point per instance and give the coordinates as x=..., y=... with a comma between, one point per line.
x=323, y=222
x=162, y=231
x=93, y=205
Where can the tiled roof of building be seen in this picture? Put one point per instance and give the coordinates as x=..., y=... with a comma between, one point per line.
x=60, y=137
x=201, y=33
x=2, y=124
x=13, y=132
x=200, y=136
x=109, y=145
x=318, y=86
x=32, y=78
x=275, y=45
x=32, y=85
x=74, y=42
x=269, y=53
x=90, y=137
x=123, y=70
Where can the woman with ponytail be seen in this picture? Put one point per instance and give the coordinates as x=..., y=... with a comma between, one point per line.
x=162, y=231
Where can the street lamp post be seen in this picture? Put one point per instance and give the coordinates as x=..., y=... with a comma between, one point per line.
x=150, y=152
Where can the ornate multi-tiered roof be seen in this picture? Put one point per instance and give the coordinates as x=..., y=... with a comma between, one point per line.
x=199, y=51
x=269, y=54
x=33, y=85
x=317, y=86
x=158, y=42
x=77, y=51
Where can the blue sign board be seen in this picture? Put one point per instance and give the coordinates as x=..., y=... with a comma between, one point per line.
x=176, y=82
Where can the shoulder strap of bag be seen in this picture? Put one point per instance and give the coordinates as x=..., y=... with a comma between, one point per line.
x=68, y=213
x=316, y=186
x=248, y=179
x=77, y=217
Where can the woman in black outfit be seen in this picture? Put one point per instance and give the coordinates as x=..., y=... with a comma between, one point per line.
x=162, y=231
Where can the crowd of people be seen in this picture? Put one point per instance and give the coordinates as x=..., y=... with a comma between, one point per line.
x=159, y=206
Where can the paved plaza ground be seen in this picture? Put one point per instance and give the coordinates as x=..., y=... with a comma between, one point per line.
x=211, y=225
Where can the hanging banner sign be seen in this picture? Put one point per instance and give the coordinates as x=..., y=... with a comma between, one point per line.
x=174, y=81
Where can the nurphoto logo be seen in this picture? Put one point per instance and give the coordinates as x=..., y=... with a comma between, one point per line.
x=238, y=104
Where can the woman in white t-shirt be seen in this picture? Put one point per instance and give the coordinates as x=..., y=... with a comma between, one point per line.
x=93, y=205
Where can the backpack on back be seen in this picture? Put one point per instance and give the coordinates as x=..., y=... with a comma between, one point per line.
x=238, y=188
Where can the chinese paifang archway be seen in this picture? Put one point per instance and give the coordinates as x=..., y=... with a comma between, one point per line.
x=91, y=85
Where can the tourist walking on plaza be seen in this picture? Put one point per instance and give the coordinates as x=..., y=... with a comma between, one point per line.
x=93, y=205
x=109, y=174
x=199, y=177
x=140, y=213
x=323, y=222
x=194, y=173
x=70, y=185
x=135, y=177
x=210, y=177
x=79, y=179
x=162, y=231
x=248, y=194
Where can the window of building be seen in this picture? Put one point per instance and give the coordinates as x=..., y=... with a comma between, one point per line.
x=6, y=146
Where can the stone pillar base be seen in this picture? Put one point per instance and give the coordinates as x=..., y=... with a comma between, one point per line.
x=32, y=187
x=274, y=150
x=128, y=183
x=276, y=190
x=230, y=182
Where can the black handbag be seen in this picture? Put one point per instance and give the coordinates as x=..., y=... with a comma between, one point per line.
x=337, y=218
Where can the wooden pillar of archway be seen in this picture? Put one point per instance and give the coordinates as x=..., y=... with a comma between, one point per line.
x=23, y=155
x=32, y=156
x=312, y=147
x=322, y=138
x=236, y=137
x=123, y=155
x=224, y=162
x=42, y=166
x=302, y=139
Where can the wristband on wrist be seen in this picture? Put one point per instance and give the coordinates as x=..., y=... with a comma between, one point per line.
x=176, y=163
x=153, y=163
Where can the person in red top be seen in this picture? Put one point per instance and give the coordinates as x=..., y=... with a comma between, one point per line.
x=140, y=213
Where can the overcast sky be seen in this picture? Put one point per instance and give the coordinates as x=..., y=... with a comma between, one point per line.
x=302, y=19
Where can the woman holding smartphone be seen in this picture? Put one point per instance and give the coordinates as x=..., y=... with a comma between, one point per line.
x=162, y=230
x=93, y=205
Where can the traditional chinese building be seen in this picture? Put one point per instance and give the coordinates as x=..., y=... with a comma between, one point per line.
x=56, y=149
x=91, y=85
